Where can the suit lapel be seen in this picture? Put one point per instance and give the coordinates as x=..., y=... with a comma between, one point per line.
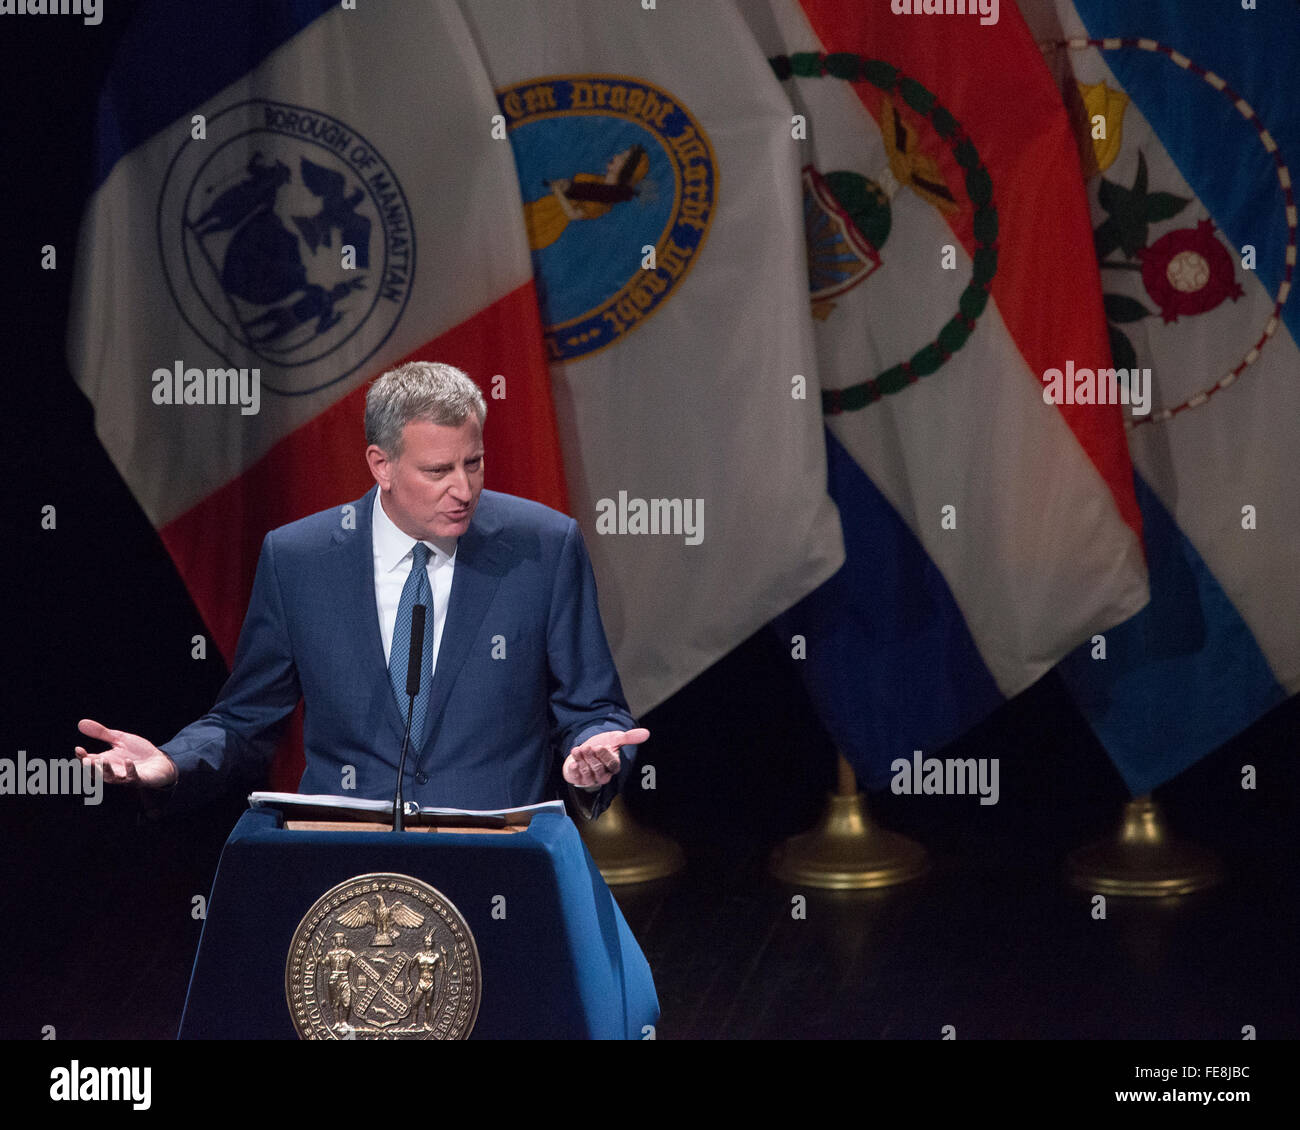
x=481, y=556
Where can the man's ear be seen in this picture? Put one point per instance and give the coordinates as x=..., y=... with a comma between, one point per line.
x=381, y=467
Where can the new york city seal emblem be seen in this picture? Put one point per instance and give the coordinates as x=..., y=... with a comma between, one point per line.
x=383, y=957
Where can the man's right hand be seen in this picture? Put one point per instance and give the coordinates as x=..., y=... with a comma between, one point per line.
x=132, y=760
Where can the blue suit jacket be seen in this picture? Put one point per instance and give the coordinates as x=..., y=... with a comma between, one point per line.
x=498, y=727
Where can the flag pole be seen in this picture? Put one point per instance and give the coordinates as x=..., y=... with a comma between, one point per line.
x=846, y=850
x=1142, y=859
x=628, y=852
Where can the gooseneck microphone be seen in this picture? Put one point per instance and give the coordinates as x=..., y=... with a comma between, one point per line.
x=412, y=689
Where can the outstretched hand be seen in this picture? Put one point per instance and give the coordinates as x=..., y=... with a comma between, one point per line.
x=131, y=760
x=596, y=761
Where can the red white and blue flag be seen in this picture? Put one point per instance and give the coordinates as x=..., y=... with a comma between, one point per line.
x=243, y=149
x=1194, y=137
x=987, y=531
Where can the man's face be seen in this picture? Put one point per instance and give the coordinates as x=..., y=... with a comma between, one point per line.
x=431, y=489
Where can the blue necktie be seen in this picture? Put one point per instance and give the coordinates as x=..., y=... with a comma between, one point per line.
x=415, y=591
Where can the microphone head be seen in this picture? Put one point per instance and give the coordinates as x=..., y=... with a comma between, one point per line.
x=417, y=649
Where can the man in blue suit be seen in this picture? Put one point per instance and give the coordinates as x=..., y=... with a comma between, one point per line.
x=515, y=669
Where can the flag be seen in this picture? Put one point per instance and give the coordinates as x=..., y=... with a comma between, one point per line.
x=292, y=197
x=988, y=531
x=661, y=196
x=1188, y=136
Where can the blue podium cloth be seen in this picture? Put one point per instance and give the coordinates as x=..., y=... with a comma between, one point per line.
x=561, y=964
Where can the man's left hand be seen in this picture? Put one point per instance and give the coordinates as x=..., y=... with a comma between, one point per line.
x=596, y=761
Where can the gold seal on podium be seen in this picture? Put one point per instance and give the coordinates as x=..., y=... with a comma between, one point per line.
x=383, y=957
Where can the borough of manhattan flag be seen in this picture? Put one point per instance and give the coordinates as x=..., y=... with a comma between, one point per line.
x=661, y=195
x=292, y=197
x=988, y=530
x=1188, y=119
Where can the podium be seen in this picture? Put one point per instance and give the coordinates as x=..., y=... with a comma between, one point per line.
x=556, y=958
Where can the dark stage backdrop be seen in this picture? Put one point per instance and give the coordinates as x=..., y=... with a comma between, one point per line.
x=97, y=935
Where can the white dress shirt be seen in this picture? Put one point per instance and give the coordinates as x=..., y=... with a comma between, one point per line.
x=392, y=552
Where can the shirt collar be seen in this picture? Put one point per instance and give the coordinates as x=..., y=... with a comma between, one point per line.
x=392, y=546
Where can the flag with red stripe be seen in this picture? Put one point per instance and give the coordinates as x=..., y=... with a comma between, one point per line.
x=293, y=197
x=990, y=527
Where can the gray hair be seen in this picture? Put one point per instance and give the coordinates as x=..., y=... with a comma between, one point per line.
x=419, y=390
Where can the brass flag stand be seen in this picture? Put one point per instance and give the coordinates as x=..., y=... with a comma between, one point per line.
x=846, y=851
x=628, y=852
x=1142, y=859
